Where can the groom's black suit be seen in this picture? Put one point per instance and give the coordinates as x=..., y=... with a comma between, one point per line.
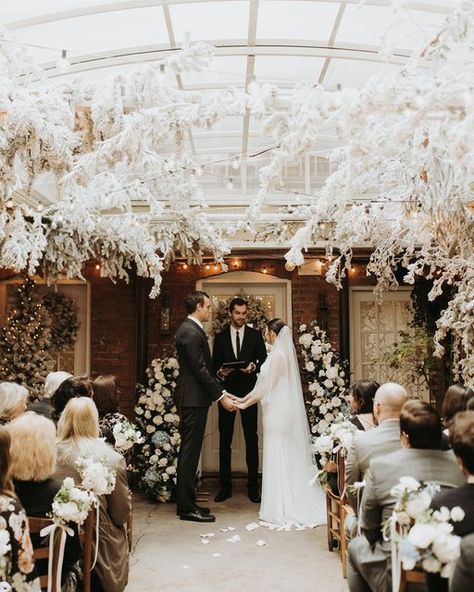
x=196, y=390
x=239, y=384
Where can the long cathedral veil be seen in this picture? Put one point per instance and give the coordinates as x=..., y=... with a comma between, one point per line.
x=284, y=346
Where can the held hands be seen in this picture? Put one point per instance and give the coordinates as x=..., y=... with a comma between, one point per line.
x=228, y=403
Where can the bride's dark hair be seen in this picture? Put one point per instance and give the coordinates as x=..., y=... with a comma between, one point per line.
x=276, y=325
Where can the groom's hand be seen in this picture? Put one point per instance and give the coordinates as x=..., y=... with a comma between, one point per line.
x=228, y=404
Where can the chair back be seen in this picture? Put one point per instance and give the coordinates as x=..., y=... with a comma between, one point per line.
x=341, y=472
x=36, y=525
x=86, y=536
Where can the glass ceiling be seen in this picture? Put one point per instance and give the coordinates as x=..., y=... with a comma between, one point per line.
x=331, y=42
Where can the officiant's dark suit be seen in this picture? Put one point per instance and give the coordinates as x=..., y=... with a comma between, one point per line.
x=252, y=349
x=197, y=388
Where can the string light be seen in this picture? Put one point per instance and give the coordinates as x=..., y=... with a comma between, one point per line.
x=230, y=184
x=208, y=267
x=63, y=64
x=185, y=266
x=264, y=270
x=236, y=164
x=97, y=267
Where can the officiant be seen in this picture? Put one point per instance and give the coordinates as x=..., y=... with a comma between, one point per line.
x=239, y=351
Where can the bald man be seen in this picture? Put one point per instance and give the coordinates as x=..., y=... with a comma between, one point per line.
x=384, y=439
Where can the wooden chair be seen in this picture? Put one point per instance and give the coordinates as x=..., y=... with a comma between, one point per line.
x=42, y=552
x=411, y=577
x=86, y=536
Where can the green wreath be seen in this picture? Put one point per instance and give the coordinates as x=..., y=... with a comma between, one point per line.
x=64, y=324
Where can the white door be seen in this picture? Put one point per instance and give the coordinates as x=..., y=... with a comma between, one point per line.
x=276, y=296
x=374, y=328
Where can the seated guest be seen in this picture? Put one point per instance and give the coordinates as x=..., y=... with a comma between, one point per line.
x=13, y=400
x=368, y=564
x=43, y=406
x=361, y=400
x=20, y=570
x=75, y=386
x=456, y=399
x=463, y=576
x=33, y=463
x=385, y=438
x=78, y=431
x=461, y=434
x=106, y=399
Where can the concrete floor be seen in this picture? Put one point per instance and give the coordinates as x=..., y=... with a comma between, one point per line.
x=168, y=555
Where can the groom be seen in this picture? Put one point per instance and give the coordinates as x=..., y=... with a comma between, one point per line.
x=238, y=342
x=196, y=390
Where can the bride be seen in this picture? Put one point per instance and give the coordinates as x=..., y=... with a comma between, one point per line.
x=290, y=495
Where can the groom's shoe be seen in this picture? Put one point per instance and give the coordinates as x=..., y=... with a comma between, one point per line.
x=197, y=516
x=223, y=495
x=254, y=497
x=200, y=508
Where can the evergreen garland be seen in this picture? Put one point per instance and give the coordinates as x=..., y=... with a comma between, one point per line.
x=25, y=341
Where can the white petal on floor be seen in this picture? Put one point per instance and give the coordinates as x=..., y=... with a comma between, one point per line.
x=235, y=539
x=185, y=566
x=252, y=526
x=260, y=543
x=209, y=535
x=230, y=528
x=205, y=541
x=224, y=530
x=217, y=554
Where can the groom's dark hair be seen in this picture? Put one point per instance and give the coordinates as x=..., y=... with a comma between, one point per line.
x=195, y=298
x=237, y=301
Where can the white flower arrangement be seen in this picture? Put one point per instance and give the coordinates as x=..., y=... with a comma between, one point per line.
x=338, y=438
x=97, y=476
x=126, y=436
x=158, y=420
x=71, y=503
x=326, y=375
x=424, y=536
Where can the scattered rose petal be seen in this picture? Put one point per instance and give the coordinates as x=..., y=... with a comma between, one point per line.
x=208, y=535
x=205, y=541
x=217, y=554
x=230, y=528
x=234, y=539
x=260, y=543
x=224, y=530
x=251, y=526
x=185, y=566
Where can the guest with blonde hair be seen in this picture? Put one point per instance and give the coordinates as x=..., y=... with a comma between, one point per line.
x=78, y=432
x=20, y=563
x=13, y=400
x=33, y=463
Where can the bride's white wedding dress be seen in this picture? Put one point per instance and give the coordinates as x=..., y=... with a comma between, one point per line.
x=290, y=494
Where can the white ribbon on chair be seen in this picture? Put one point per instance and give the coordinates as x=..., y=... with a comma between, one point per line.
x=394, y=551
x=50, y=531
x=97, y=505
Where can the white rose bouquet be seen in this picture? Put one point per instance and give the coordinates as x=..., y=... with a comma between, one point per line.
x=158, y=421
x=126, y=436
x=326, y=376
x=338, y=438
x=97, y=476
x=71, y=503
x=423, y=536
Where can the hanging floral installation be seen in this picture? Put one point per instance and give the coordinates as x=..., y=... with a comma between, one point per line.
x=402, y=180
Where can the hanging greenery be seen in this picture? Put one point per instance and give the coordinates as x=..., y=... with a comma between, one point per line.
x=256, y=313
x=64, y=323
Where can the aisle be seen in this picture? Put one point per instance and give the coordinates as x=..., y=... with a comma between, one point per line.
x=290, y=561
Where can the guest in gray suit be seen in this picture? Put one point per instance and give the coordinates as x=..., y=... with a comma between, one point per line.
x=463, y=576
x=388, y=402
x=368, y=565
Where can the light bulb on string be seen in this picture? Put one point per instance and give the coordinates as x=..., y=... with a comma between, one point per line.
x=236, y=163
x=63, y=63
x=230, y=184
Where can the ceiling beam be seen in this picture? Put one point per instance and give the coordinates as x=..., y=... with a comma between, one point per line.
x=40, y=19
x=332, y=39
x=252, y=36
